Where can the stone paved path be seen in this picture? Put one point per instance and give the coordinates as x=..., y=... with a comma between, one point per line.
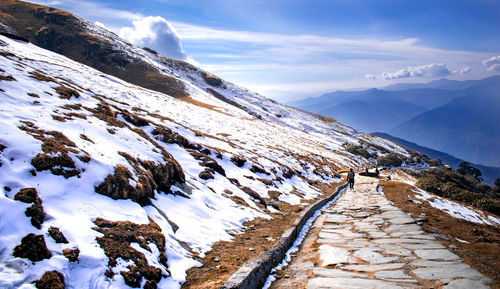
x=365, y=242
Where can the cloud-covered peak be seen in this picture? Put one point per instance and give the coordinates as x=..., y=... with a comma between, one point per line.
x=156, y=33
x=492, y=63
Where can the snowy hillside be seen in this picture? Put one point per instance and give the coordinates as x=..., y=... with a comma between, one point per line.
x=111, y=184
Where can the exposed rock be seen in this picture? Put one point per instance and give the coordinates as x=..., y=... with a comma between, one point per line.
x=72, y=255
x=208, y=162
x=238, y=161
x=167, y=135
x=234, y=181
x=254, y=195
x=135, y=119
x=206, y=174
x=266, y=182
x=57, y=235
x=14, y=36
x=116, y=242
x=225, y=99
x=51, y=280
x=30, y=195
x=2, y=148
x=211, y=79
x=32, y=247
x=258, y=169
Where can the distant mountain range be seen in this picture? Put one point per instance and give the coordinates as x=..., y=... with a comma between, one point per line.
x=489, y=174
x=458, y=117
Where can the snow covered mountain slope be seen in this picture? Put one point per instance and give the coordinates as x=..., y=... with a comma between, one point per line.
x=107, y=184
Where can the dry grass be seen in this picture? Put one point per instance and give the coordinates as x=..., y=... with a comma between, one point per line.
x=198, y=103
x=41, y=76
x=261, y=234
x=116, y=243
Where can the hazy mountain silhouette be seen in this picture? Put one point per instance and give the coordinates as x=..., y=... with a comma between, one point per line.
x=489, y=174
x=467, y=127
x=458, y=117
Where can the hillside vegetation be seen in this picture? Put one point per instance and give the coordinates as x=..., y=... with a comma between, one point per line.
x=462, y=185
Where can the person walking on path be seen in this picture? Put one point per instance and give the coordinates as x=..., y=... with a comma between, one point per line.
x=350, y=179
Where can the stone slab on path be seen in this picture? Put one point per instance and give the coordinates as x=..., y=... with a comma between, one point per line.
x=365, y=242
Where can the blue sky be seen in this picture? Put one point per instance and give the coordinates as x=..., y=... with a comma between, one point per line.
x=289, y=49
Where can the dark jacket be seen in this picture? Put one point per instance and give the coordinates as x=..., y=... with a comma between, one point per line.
x=350, y=176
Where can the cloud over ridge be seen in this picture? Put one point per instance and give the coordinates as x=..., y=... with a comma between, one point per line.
x=429, y=70
x=492, y=63
x=156, y=33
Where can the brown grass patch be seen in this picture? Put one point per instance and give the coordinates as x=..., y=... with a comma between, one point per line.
x=7, y=78
x=84, y=137
x=483, y=250
x=72, y=106
x=56, y=148
x=116, y=242
x=41, y=76
x=51, y=280
x=166, y=84
x=58, y=118
x=70, y=115
x=107, y=114
x=33, y=95
x=261, y=234
x=66, y=92
x=198, y=103
x=35, y=212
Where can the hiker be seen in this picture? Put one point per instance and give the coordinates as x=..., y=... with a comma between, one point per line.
x=350, y=179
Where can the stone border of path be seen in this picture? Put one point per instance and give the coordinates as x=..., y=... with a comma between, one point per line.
x=253, y=274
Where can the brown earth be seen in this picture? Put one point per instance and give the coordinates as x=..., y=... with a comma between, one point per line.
x=51, y=280
x=483, y=250
x=261, y=234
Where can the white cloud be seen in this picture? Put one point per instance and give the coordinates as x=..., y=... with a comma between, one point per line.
x=429, y=70
x=465, y=70
x=156, y=33
x=370, y=76
x=492, y=63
